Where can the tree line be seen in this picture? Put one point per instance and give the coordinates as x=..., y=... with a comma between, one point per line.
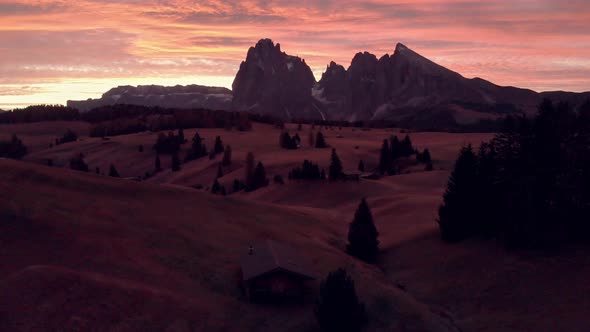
x=529, y=186
x=126, y=119
x=38, y=113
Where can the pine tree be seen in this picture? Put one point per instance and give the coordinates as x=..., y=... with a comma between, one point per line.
x=296, y=141
x=426, y=156
x=216, y=187
x=226, y=156
x=361, y=166
x=320, y=142
x=219, y=172
x=222, y=191
x=385, y=162
x=197, y=149
x=395, y=147
x=77, y=163
x=423, y=157
x=338, y=308
x=259, y=178
x=113, y=171
x=335, y=169
x=406, y=147
x=175, y=162
x=181, y=139
x=457, y=214
x=249, y=170
x=14, y=149
x=158, y=165
x=218, y=148
x=237, y=186
x=487, y=171
x=362, y=234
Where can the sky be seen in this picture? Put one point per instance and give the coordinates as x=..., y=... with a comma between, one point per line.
x=55, y=50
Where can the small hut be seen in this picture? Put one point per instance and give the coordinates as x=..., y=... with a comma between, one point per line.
x=272, y=270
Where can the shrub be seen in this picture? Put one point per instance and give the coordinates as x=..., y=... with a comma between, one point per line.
x=338, y=308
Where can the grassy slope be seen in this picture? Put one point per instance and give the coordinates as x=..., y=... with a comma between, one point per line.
x=90, y=252
x=483, y=286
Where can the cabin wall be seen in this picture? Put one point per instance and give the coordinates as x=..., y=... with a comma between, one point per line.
x=275, y=285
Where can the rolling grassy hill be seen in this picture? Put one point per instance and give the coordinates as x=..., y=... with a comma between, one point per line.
x=81, y=251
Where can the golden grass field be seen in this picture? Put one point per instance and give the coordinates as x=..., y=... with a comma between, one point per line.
x=86, y=252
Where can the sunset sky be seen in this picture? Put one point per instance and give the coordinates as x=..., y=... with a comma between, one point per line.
x=55, y=50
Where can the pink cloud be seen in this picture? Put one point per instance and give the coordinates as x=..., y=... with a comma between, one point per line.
x=543, y=45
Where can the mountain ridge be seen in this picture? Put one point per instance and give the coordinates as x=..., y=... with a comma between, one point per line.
x=400, y=87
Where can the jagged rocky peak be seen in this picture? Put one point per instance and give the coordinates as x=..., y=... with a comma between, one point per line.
x=272, y=81
x=333, y=70
x=401, y=48
x=363, y=58
x=264, y=49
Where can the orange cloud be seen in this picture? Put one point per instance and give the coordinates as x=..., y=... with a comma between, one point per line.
x=63, y=49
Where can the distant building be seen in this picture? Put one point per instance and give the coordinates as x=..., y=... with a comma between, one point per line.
x=272, y=270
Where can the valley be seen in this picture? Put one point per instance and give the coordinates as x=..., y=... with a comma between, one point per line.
x=82, y=251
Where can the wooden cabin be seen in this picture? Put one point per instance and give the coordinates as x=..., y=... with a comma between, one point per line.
x=274, y=271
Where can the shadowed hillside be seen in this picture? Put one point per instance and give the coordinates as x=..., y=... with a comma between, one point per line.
x=87, y=252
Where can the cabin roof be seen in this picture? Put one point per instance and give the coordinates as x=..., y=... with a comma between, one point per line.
x=269, y=256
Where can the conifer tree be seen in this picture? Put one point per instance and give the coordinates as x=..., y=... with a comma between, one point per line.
x=158, y=165
x=113, y=171
x=320, y=142
x=259, y=178
x=216, y=187
x=361, y=166
x=175, y=162
x=406, y=146
x=181, y=139
x=457, y=214
x=249, y=170
x=197, y=149
x=335, y=169
x=395, y=147
x=218, y=148
x=14, y=149
x=219, y=172
x=423, y=157
x=226, y=156
x=237, y=186
x=487, y=171
x=338, y=308
x=362, y=234
x=77, y=163
x=385, y=161
x=297, y=140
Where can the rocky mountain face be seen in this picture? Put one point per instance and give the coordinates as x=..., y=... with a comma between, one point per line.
x=404, y=87
x=273, y=82
x=406, y=84
x=190, y=96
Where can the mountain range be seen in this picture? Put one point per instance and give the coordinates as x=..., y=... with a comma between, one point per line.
x=404, y=87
